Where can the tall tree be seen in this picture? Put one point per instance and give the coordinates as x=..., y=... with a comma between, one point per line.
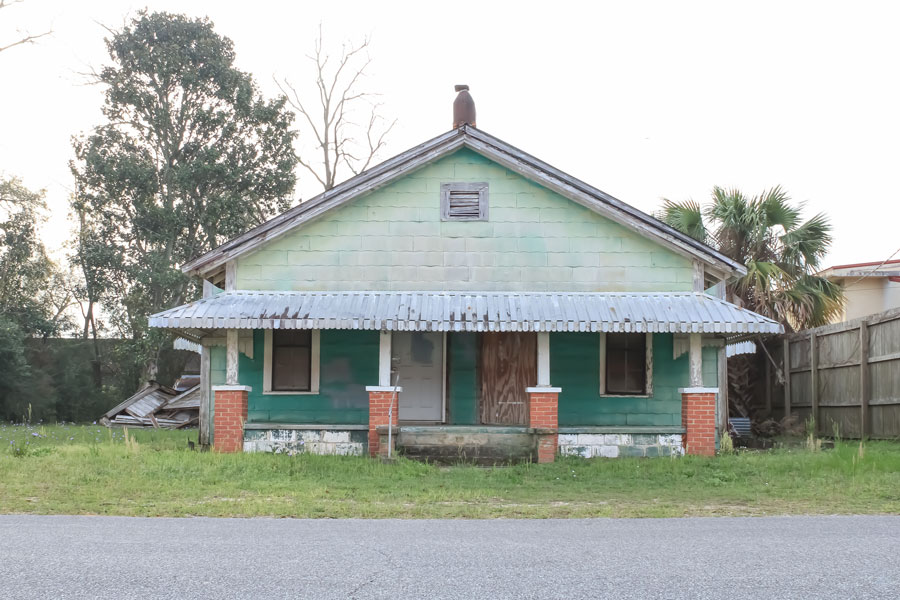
x=189, y=156
x=26, y=273
x=343, y=120
x=31, y=301
x=782, y=253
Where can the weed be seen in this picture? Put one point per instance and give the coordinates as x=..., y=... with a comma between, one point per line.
x=813, y=443
x=726, y=444
x=131, y=444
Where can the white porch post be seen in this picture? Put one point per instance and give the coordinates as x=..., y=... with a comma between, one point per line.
x=231, y=357
x=543, y=404
x=696, y=359
x=543, y=359
x=231, y=399
x=383, y=403
x=384, y=359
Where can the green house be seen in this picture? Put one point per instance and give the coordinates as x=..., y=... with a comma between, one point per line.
x=463, y=300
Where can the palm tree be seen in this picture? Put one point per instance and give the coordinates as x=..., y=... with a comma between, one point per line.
x=782, y=254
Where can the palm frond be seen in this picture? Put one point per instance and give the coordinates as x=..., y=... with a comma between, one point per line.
x=821, y=299
x=686, y=217
x=808, y=243
x=775, y=204
x=760, y=287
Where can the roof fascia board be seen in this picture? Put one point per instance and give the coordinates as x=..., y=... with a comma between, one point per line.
x=600, y=199
x=334, y=201
x=588, y=200
x=366, y=181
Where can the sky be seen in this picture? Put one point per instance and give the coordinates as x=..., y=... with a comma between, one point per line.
x=644, y=100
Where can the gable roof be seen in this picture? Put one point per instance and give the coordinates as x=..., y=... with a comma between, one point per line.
x=490, y=147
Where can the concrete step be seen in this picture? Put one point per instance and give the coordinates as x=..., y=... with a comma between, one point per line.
x=478, y=445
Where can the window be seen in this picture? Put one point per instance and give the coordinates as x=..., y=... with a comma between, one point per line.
x=464, y=201
x=291, y=361
x=626, y=364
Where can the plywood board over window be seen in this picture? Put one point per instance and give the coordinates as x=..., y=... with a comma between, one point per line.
x=291, y=361
x=508, y=367
x=626, y=364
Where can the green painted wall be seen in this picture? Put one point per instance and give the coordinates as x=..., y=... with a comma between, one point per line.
x=574, y=367
x=348, y=363
x=462, y=374
x=393, y=239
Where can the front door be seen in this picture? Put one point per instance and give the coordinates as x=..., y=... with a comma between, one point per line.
x=418, y=357
x=508, y=366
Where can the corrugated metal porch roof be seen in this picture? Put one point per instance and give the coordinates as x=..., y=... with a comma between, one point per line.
x=676, y=312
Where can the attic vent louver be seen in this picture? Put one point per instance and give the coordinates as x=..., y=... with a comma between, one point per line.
x=464, y=201
x=463, y=205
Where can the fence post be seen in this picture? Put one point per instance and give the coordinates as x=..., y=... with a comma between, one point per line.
x=865, y=426
x=814, y=378
x=786, y=365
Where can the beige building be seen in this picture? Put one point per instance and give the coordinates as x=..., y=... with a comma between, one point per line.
x=868, y=287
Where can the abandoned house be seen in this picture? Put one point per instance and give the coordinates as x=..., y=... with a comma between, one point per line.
x=464, y=300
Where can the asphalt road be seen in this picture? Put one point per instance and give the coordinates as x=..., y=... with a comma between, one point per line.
x=779, y=557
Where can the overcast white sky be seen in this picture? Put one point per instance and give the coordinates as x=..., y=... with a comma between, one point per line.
x=642, y=99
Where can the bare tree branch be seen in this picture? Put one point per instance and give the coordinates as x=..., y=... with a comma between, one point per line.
x=27, y=37
x=340, y=141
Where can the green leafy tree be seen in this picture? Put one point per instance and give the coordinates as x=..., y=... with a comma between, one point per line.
x=31, y=301
x=781, y=251
x=189, y=156
x=25, y=269
x=14, y=370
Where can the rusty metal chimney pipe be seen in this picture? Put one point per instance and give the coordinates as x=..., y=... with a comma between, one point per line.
x=463, y=107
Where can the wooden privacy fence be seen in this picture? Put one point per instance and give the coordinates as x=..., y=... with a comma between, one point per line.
x=846, y=374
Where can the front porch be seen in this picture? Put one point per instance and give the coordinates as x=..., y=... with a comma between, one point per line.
x=489, y=377
x=466, y=397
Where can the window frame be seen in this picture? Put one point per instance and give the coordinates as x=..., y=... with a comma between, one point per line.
x=313, y=367
x=648, y=366
x=481, y=187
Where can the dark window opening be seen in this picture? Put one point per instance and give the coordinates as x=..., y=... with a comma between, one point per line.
x=291, y=360
x=626, y=363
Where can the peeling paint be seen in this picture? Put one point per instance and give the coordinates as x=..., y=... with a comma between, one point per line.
x=307, y=441
x=614, y=445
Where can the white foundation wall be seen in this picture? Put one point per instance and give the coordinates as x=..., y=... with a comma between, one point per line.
x=615, y=445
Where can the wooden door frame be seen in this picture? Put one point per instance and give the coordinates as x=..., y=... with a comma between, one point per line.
x=444, y=372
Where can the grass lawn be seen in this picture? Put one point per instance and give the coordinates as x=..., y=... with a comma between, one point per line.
x=91, y=470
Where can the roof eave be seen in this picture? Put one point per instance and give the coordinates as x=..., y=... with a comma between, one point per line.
x=446, y=142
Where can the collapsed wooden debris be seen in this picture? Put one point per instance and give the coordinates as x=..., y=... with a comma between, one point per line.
x=157, y=406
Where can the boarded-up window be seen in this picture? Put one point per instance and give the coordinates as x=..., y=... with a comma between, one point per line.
x=291, y=360
x=464, y=201
x=626, y=363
